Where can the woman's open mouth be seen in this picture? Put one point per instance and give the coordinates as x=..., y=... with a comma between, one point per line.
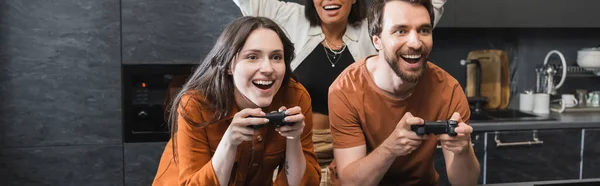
x=332, y=7
x=263, y=84
x=332, y=10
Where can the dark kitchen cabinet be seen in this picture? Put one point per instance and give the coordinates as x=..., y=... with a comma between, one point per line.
x=477, y=140
x=527, y=13
x=591, y=154
x=555, y=157
x=141, y=162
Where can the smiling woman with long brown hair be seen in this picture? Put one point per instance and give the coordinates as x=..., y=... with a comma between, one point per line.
x=218, y=137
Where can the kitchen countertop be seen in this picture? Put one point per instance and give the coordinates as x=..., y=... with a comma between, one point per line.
x=582, y=182
x=562, y=121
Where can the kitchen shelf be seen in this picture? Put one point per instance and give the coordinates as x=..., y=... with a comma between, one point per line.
x=576, y=71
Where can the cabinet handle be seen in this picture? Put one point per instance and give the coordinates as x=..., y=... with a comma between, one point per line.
x=535, y=141
x=439, y=146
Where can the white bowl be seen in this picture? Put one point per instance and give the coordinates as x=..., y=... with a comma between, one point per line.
x=588, y=58
x=589, y=63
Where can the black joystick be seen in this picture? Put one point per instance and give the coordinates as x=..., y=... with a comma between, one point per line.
x=276, y=118
x=436, y=127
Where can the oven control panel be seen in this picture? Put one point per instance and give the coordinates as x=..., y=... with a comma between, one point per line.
x=147, y=93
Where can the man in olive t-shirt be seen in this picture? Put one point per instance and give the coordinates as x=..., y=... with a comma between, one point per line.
x=374, y=102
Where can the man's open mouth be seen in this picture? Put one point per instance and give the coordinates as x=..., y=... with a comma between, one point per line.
x=411, y=58
x=263, y=84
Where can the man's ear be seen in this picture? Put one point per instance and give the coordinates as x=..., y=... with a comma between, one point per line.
x=376, y=42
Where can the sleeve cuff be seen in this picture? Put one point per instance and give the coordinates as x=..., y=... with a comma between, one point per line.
x=211, y=177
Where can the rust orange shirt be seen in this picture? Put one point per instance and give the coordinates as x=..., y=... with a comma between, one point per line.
x=363, y=114
x=255, y=161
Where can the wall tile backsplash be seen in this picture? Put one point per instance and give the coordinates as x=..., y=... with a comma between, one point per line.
x=526, y=47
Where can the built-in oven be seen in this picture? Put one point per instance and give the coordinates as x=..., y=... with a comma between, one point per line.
x=147, y=92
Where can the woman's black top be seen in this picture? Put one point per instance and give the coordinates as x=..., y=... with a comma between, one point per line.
x=320, y=68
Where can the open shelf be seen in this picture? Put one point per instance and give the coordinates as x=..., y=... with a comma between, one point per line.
x=576, y=71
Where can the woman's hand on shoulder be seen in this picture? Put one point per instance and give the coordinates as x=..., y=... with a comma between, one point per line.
x=294, y=115
x=240, y=129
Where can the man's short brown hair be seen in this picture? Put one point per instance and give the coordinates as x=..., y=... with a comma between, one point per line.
x=375, y=14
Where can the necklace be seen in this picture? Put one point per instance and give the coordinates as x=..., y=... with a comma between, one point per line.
x=337, y=59
x=333, y=51
x=327, y=41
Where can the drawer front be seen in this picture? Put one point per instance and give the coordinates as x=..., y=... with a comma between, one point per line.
x=537, y=155
x=591, y=154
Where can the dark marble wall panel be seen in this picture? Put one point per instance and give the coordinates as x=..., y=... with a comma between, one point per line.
x=64, y=165
x=179, y=31
x=61, y=72
x=141, y=162
x=3, y=10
